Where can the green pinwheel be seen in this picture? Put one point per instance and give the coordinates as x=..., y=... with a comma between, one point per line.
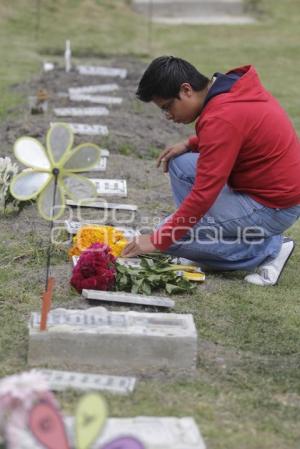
x=52, y=173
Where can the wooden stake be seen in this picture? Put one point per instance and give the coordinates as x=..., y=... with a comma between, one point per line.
x=46, y=303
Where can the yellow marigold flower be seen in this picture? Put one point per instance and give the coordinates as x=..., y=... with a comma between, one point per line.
x=87, y=235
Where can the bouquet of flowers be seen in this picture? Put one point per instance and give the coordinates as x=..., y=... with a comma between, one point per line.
x=95, y=269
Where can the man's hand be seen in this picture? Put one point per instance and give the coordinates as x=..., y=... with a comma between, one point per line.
x=140, y=245
x=169, y=152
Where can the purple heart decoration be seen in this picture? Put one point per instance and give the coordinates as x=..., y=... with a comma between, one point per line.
x=124, y=443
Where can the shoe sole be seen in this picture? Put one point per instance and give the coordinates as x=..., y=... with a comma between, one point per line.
x=288, y=258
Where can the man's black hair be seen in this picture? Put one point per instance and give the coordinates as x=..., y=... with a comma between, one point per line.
x=165, y=75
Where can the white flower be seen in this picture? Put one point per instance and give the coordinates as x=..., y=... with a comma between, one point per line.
x=59, y=160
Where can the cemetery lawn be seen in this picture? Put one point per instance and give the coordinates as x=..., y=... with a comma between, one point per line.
x=246, y=394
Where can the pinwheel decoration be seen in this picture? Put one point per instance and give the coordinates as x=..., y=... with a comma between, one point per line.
x=47, y=425
x=50, y=176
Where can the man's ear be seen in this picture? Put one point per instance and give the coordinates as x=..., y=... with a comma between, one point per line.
x=186, y=90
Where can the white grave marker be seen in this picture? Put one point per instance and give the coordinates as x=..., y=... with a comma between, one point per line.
x=81, y=112
x=104, y=152
x=89, y=130
x=112, y=187
x=96, y=99
x=62, y=380
x=131, y=262
x=126, y=343
x=102, y=205
x=68, y=55
x=73, y=227
x=128, y=298
x=48, y=66
x=96, y=89
x=102, y=71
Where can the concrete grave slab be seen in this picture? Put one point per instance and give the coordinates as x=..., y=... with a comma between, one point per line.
x=102, y=71
x=128, y=298
x=103, y=205
x=81, y=112
x=96, y=99
x=111, y=187
x=96, y=89
x=123, y=343
x=89, y=130
x=153, y=432
x=63, y=380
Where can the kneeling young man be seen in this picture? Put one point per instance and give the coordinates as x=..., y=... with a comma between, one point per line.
x=236, y=183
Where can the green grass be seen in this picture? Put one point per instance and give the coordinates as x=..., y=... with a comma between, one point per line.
x=246, y=394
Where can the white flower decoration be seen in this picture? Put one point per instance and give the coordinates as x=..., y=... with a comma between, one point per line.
x=59, y=160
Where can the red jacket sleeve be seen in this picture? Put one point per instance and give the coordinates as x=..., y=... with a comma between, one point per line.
x=219, y=146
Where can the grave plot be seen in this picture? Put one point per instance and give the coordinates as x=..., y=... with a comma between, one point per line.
x=96, y=99
x=81, y=112
x=123, y=343
x=63, y=380
x=102, y=71
x=96, y=89
x=128, y=298
x=111, y=187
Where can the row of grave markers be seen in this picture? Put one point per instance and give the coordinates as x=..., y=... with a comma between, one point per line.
x=86, y=342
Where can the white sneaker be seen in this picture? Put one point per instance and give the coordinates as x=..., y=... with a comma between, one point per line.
x=270, y=272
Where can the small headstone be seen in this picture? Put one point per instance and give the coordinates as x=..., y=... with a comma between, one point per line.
x=96, y=99
x=81, y=112
x=102, y=71
x=90, y=130
x=103, y=205
x=130, y=262
x=63, y=380
x=111, y=187
x=104, y=152
x=96, y=89
x=100, y=167
x=73, y=227
x=48, y=66
x=68, y=55
x=125, y=343
x=128, y=298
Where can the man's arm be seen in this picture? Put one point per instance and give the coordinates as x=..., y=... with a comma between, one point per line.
x=219, y=146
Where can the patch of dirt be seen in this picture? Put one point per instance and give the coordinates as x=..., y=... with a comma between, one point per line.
x=137, y=132
x=134, y=127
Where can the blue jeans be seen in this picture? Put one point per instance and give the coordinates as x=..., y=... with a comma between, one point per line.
x=237, y=233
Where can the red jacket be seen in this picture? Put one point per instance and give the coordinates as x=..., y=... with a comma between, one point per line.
x=247, y=141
